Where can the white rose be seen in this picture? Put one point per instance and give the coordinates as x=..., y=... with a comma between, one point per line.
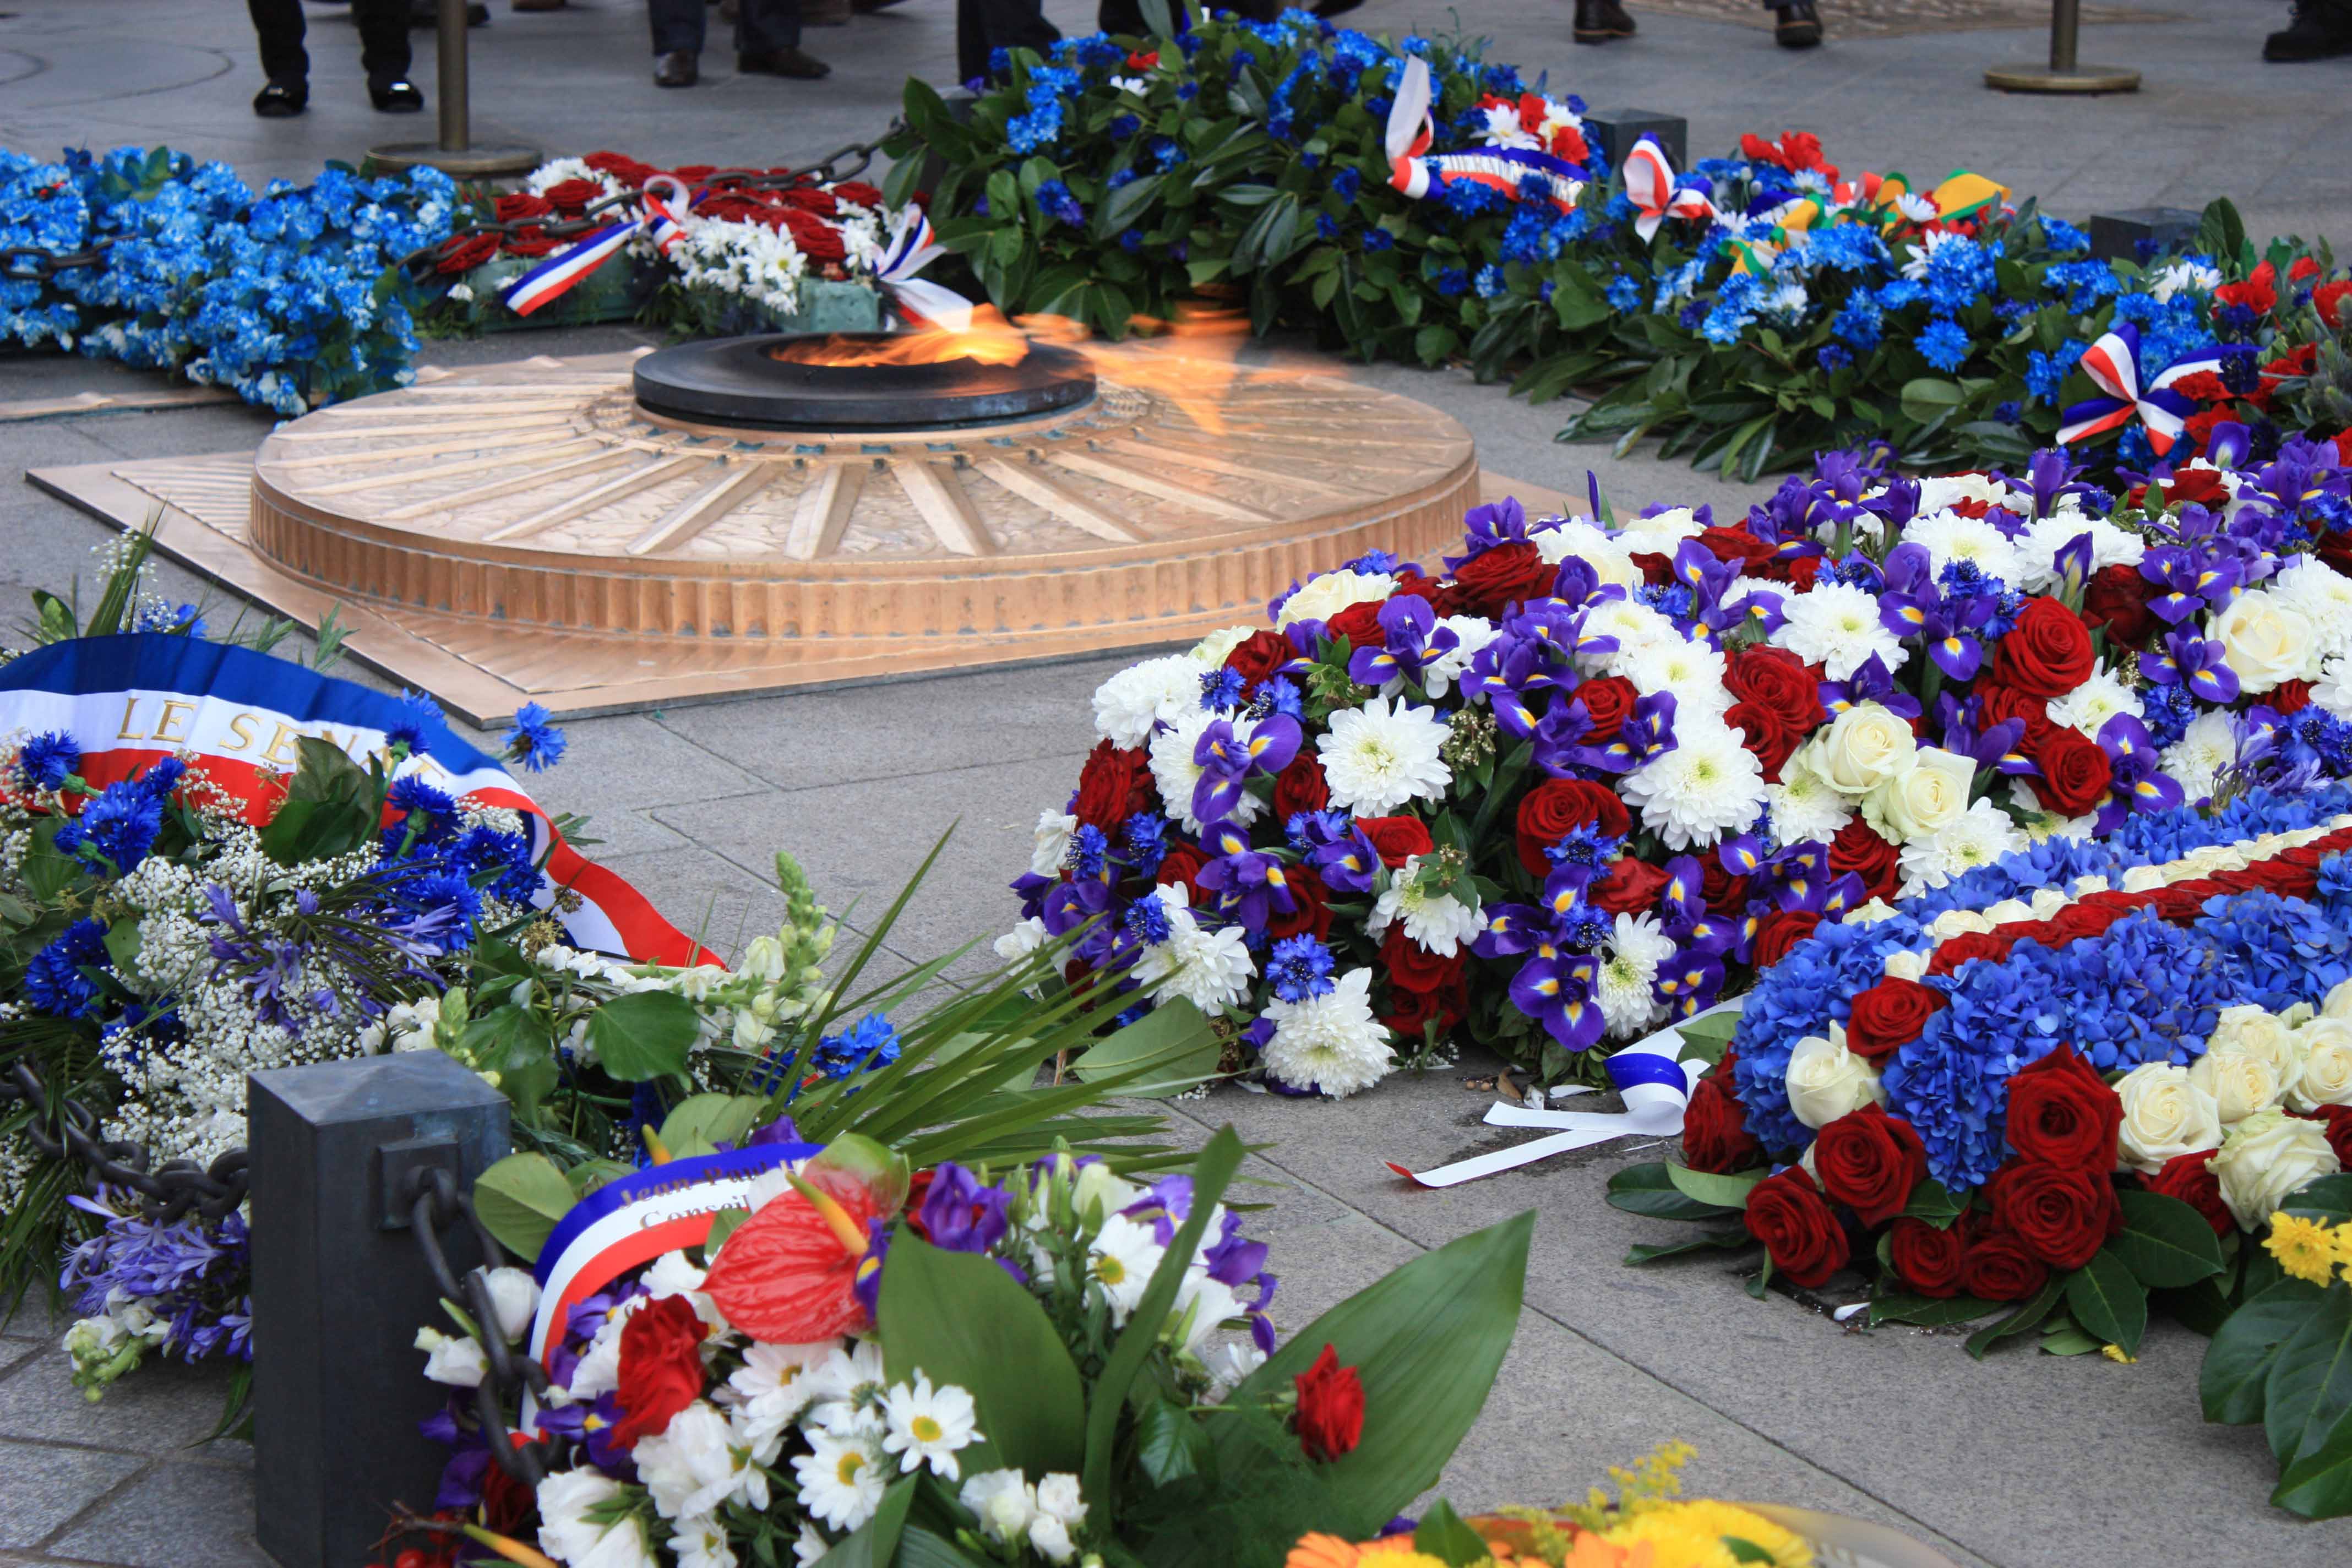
x=2008, y=910
x=515, y=1294
x=2259, y=1034
x=2339, y=1002
x=454, y=1359
x=2144, y=878
x=1868, y=745
x=1826, y=1080
x=2266, y=642
x=2270, y=1155
x=1923, y=799
x=1904, y=965
x=1333, y=592
x=2164, y=1114
x=2241, y=1082
x=2327, y=1077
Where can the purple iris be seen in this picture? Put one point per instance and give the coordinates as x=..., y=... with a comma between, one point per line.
x=2187, y=659
x=1715, y=601
x=1490, y=527
x=1870, y=683
x=1509, y=670
x=961, y=1212
x=1342, y=855
x=1250, y=884
x=2135, y=783
x=1648, y=732
x=1988, y=748
x=2193, y=578
x=1914, y=607
x=1227, y=757
x=1414, y=641
x=2050, y=477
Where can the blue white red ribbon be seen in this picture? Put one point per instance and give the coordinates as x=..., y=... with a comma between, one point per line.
x=1414, y=171
x=2113, y=365
x=128, y=702
x=919, y=299
x=661, y=217
x=1650, y=186
x=1652, y=1076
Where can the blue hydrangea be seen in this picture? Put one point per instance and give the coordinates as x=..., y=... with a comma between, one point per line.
x=1837, y=962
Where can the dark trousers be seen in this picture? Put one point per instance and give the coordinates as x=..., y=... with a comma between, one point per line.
x=983, y=26
x=765, y=26
x=384, y=38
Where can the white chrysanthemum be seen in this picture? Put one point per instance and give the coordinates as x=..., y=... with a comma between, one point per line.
x=1805, y=808
x=1637, y=628
x=1836, y=626
x=574, y=1528
x=702, y=1542
x=2334, y=689
x=1610, y=560
x=1211, y=651
x=1630, y=970
x=1207, y=968
x=2045, y=537
x=1050, y=842
x=2196, y=760
x=692, y=1465
x=1939, y=493
x=1471, y=634
x=1377, y=757
x=1658, y=533
x=927, y=1426
x=1440, y=925
x=841, y=1479
x=1329, y=1043
x=1708, y=786
x=1156, y=691
x=1950, y=537
x=2097, y=700
x=1983, y=834
x=2323, y=596
x=1692, y=671
x=1325, y=596
x=1175, y=772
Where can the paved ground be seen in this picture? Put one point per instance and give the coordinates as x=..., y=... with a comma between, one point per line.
x=2025, y=1461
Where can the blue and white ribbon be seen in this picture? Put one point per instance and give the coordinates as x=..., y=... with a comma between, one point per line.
x=661, y=218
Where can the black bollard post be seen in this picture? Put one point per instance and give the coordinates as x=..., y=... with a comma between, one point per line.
x=2118, y=237
x=1613, y=132
x=339, y=1290
x=455, y=154
x=2063, y=73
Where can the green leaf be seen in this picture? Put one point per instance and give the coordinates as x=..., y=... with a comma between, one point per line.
x=2068, y=1339
x=123, y=945
x=1169, y=1444
x=1124, y=205
x=1927, y=400
x=960, y=1319
x=2165, y=1243
x=643, y=1035
x=1174, y=1045
x=701, y=1122
x=1651, y=1251
x=47, y=872
x=519, y=1199
x=590, y=1175
x=2318, y=1484
x=1648, y=1189
x=1442, y=1535
x=1718, y=1192
x=919, y=1548
x=2108, y=1301
x=2017, y=1322
x=1745, y=1550
x=874, y=1543
x=1930, y=1310
x=2328, y=1198
x=2309, y=1388
x=723, y=1224
x=1931, y=1203
x=2235, y=1377
x=331, y=807
x=1427, y=1342
x=2203, y=1307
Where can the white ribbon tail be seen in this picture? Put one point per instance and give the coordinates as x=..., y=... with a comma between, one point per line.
x=1410, y=107
x=921, y=301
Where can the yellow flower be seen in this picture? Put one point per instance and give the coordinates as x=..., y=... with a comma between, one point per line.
x=1692, y=1535
x=2344, y=1249
x=2117, y=1353
x=2306, y=1249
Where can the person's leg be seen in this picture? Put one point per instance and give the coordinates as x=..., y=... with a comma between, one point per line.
x=768, y=27
x=384, y=38
x=2319, y=30
x=277, y=25
x=677, y=25
x=1018, y=25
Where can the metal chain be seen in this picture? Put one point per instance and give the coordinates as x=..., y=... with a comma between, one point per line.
x=439, y=1202
x=44, y=265
x=166, y=1193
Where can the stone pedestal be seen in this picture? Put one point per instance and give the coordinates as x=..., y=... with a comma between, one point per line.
x=1613, y=132
x=2118, y=237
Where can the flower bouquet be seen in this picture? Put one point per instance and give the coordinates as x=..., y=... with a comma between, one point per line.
x=1048, y=1365
x=1589, y=778
x=2064, y=1087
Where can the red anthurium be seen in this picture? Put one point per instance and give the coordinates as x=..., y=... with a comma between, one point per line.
x=789, y=1274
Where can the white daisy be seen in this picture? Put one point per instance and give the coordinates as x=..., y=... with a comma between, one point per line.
x=1804, y=807
x=2044, y=537
x=1330, y=1043
x=1950, y=537
x=1836, y=626
x=2196, y=761
x=2097, y=700
x=1329, y=593
x=692, y=1465
x=1121, y=1258
x=926, y=1426
x=1050, y=842
x=1709, y=784
x=1156, y=691
x=1440, y=923
x=1210, y=969
x=768, y=1390
x=1377, y=758
x=702, y=1542
x=810, y=1546
x=1981, y=834
x=1630, y=970
x=841, y=1480
x=844, y=1387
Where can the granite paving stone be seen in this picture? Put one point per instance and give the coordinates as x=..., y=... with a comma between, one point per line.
x=172, y=1515
x=48, y=1486
x=167, y=1407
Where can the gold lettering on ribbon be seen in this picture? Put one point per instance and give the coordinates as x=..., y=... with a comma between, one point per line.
x=175, y=714
x=277, y=743
x=126, y=733
x=240, y=729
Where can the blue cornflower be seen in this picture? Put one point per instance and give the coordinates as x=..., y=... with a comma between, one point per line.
x=1832, y=356
x=1055, y=200
x=1624, y=295
x=1144, y=836
x=1451, y=281
x=412, y=794
x=1146, y=921
x=48, y=760
x=1088, y=848
x=1131, y=240
x=1299, y=967
x=1378, y=238
x=1220, y=689
x=2009, y=413
x=869, y=1043
x=54, y=981
x=1124, y=126
x=2064, y=236
x=121, y=824
x=1325, y=226
x=2045, y=373
x=1345, y=183
x=533, y=741
x=1488, y=281
x=1945, y=345
x=419, y=716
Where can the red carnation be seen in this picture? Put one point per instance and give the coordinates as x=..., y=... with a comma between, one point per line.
x=1870, y=1161
x=2064, y=1214
x=1331, y=1407
x=1800, y=1232
x=2258, y=293
x=1999, y=1266
x=1864, y=851
x=2191, y=1179
x=1780, y=930
x=2075, y=773
x=1888, y=1017
x=1715, y=1125
x=2047, y=653
x=1113, y=786
x=1507, y=574
x=1558, y=808
x=1926, y=1259
x=1398, y=838
x=2329, y=298
x=661, y=1368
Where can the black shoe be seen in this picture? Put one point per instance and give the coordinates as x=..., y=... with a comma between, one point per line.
x=2321, y=30
x=398, y=96
x=282, y=99
x=426, y=13
x=680, y=67
x=794, y=63
x=1326, y=9
x=1598, y=21
x=1800, y=25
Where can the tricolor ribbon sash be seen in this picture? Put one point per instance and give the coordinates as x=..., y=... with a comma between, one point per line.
x=128, y=702
x=1649, y=176
x=919, y=299
x=661, y=217
x=2113, y=365
x=1651, y=1074
x=1416, y=173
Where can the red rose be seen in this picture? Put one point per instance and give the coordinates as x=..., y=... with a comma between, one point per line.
x=2061, y=1110
x=1715, y=1126
x=1507, y=574
x=1607, y=700
x=1632, y=885
x=1396, y=837
x=2047, y=653
x=2182, y=901
x=1183, y=864
x=1766, y=734
x=1558, y=808
x=2075, y=774
x=1311, y=907
x=1734, y=543
x=2291, y=696
x=2190, y=1178
x=661, y=1368
x=1410, y=1012
x=1998, y=704
x=1724, y=893
x=2338, y=1118
x=1360, y=624
x=1953, y=951
x=1259, y=655
x=1113, y=786
x=1413, y=967
x=1926, y=1259
x=1870, y=1161
x=2000, y=1267
x=1780, y=930
x=1864, y=851
x=1800, y=1231
x=1331, y=1407
x=2064, y=1214
x=2117, y=599
x=572, y=195
x=1889, y=1016
x=2078, y=922
x=2201, y=487
x=467, y=254
x=1300, y=786
x=1775, y=679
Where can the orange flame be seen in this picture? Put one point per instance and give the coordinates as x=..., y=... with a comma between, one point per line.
x=989, y=340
